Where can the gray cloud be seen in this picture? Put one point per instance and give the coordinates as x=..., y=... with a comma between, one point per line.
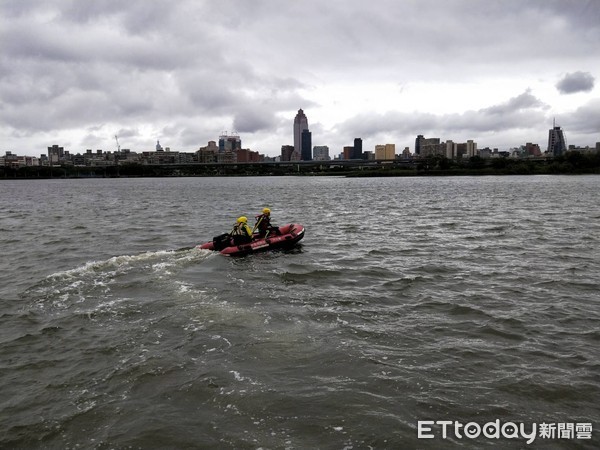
x=584, y=120
x=192, y=69
x=523, y=110
x=251, y=120
x=576, y=82
x=523, y=101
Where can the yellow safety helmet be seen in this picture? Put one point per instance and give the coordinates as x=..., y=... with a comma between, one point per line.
x=266, y=211
x=242, y=219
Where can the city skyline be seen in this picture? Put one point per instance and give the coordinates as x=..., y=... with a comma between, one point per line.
x=497, y=73
x=231, y=142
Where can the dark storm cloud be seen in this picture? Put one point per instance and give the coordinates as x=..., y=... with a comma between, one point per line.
x=95, y=62
x=576, y=82
x=459, y=39
x=55, y=43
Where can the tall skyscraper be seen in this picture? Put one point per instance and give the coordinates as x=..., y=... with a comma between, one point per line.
x=418, y=142
x=306, y=146
x=358, y=152
x=556, y=141
x=300, y=124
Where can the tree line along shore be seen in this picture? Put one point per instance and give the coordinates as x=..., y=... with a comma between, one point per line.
x=569, y=163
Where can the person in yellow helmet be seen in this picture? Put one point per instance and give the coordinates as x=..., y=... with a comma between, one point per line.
x=241, y=233
x=263, y=224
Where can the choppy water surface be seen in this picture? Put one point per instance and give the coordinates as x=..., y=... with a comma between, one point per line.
x=410, y=299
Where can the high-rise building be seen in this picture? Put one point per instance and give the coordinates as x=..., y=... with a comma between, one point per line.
x=56, y=154
x=385, y=152
x=556, y=141
x=306, y=146
x=300, y=124
x=531, y=150
x=347, y=152
x=451, y=149
x=229, y=142
x=358, y=152
x=471, y=148
x=321, y=153
x=286, y=152
x=430, y=147
x=418, y=142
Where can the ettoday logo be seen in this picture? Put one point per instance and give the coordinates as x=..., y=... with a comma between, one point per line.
x=429, y=429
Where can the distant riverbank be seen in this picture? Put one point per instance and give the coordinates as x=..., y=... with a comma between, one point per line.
x=570, y=163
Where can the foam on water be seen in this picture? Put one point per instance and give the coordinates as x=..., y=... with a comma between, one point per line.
x=101, y=286
x=123, y=263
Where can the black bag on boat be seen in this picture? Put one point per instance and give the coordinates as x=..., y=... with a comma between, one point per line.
x=221, y=241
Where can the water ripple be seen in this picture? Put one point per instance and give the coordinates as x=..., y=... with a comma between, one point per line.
x=409, y=299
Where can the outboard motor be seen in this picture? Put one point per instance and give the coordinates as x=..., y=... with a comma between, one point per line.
x=221, y=241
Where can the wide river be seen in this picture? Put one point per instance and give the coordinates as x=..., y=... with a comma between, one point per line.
x=410, y=301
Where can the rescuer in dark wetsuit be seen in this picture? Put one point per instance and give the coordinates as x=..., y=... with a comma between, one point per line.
x=241, y=233
x=263, y=224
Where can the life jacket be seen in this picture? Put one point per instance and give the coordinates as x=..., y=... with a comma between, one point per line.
x=240, y=229
x=263, y=222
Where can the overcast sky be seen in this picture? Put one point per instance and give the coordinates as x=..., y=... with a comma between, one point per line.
x=78, y=72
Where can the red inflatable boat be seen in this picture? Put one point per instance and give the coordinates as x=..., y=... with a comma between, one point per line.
x=288, y=236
